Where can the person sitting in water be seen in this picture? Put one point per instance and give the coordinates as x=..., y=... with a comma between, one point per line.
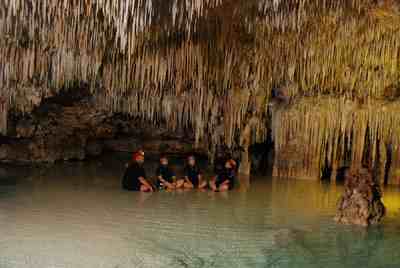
x=219, y=163
x=193, y=176
x=135, y=177
x=166, y=178
x=225, y=180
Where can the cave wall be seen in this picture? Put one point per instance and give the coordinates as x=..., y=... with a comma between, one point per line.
x=218, y=68
x=70, y=127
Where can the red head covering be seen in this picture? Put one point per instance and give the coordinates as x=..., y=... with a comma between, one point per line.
x=137, y=155
x=232, y=163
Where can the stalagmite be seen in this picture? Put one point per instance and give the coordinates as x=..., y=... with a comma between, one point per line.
x=361, y=203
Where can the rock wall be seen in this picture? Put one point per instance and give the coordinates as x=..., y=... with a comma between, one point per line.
x=66, y=128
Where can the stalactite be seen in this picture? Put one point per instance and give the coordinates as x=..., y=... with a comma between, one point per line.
x=3, y=114
x=319, y=128
x=206, y=64
x=394, y=171
x=245, y=142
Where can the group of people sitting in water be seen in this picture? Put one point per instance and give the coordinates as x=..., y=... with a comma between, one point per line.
x=135, y=178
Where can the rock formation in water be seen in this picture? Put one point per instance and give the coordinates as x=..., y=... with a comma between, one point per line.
x=361, y=202
x=323, y=77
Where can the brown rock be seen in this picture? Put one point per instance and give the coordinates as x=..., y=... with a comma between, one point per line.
x=94, y=148
x=25, y=129
x=361, y=202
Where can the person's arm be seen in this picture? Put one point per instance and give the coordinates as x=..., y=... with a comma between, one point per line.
x=231, y=177
x=160, y=178
x=165, y=182
x=142, y=178
x=159, y=175
x=186, y=178
x=146, y=183
x=224, y=179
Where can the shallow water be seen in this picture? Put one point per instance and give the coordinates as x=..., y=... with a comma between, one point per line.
x=76, y=215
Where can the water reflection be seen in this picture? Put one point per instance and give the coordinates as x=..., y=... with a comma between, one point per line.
x=76, y=215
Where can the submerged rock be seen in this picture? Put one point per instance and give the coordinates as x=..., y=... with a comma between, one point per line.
x=361, y=202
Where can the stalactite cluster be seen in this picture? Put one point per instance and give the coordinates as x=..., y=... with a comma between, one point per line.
x=334, y=132
x=208, y=65
x=3, y=115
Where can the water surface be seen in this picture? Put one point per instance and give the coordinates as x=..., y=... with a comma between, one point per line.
x=76, y=215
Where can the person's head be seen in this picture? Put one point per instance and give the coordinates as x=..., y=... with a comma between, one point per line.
x=191, y=160
x=138, y=157
x=230, y=164
x=164, y=160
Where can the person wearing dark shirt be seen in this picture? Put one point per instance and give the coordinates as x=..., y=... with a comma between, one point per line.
x=166, y=178
x=219, y=163
x=225, y=180
x=193, y=176
x=135, y=176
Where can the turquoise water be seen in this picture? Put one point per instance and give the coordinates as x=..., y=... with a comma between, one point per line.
x=76, y=215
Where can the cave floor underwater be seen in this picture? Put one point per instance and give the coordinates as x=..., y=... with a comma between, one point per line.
x=75, y=214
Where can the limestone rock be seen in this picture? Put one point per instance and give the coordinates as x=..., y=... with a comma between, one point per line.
x=94, y=148
x=71, y=127
x=122, y=144
x=361, y=202
x=25, y=129
x=3, y=151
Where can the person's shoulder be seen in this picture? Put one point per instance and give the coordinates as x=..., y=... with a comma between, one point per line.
x=131, y=169
x=141, y=167
x=131, y=166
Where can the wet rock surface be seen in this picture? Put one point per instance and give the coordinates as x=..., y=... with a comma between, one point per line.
x=361, y=202
x=76, y=130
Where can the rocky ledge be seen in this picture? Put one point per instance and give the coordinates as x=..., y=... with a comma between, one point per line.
x=70, y=127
